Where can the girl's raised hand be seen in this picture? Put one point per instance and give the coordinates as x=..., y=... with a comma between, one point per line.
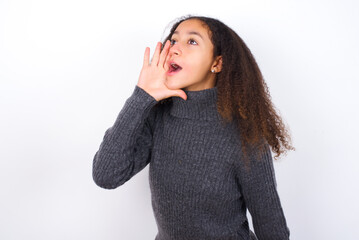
x=153, y=75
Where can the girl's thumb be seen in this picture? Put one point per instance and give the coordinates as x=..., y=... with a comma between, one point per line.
x=181, y=94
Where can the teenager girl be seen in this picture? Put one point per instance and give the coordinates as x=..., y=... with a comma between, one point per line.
x=201, y=115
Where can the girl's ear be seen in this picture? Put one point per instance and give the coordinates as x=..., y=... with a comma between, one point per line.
x=217, y=64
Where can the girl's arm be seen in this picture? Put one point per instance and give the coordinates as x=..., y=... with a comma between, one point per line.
x=126, y=146
x=259, y=189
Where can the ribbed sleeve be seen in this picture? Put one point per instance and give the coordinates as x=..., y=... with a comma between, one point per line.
x=126, y=146
x=259, y=189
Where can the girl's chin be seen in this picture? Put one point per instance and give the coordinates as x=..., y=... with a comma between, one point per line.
x=174, y=85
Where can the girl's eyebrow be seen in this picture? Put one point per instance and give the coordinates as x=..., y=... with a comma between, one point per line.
x=190, y=33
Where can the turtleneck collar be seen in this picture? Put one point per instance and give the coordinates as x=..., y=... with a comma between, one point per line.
x=200, y=104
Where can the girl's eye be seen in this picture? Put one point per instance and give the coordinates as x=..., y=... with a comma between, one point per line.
x=190, y=40
x=193, y=41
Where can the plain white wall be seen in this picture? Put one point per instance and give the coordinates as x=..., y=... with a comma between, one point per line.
x=67, y=67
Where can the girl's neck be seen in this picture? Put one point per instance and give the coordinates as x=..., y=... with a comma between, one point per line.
x=200, y=104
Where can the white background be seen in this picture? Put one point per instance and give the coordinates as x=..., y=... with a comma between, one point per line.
x=67, y=67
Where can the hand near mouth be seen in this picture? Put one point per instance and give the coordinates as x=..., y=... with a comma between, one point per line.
x=153, y=74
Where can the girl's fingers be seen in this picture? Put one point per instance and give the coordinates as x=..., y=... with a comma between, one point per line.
x=146, y=57
x=164, y=54
x=165, y=66
x=156, y=54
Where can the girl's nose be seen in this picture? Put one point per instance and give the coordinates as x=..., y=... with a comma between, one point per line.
x=175, y=50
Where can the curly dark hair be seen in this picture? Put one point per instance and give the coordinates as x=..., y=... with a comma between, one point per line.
x=243, y=96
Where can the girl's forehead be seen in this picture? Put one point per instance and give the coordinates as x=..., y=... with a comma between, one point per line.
x=192, y=26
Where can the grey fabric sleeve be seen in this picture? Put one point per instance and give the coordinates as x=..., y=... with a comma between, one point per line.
x=126, y=146
x=259, y=189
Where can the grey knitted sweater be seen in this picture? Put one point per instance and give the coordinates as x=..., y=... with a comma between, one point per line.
x=200, y=189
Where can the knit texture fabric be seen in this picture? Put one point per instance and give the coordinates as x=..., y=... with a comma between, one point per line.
x=200, y=188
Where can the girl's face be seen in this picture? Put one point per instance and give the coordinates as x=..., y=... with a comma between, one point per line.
x=191, y=50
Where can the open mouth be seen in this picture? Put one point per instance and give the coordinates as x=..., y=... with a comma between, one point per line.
x=174, y=68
